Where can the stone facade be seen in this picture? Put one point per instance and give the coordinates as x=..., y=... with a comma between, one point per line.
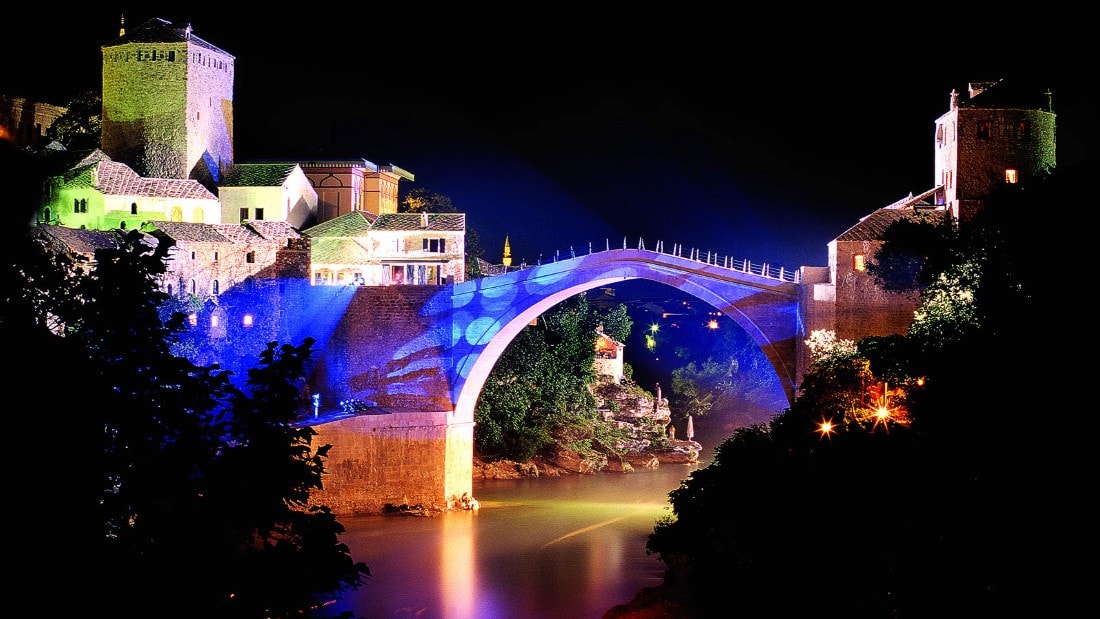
x=25, y=122
x=168, y=103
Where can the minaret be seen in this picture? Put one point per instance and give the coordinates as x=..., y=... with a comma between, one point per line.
x=168, y=103
x=507, y=261
x=122, y=25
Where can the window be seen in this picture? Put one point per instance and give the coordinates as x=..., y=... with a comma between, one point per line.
x=83, y=205
x=250, y=257
x=194, y=287
x=133, y=208
x=259, y=214
x=859, y=263
x=1024, y=130
x=244, y=214
x=177, y=214
x=247, y=320
x=215, y=256
x=435, y=246
x=1012, y=176
x=169, y=289
x=76, y=205
x=192, y=254
x=193, y=319
x=984, y=129
x=214, y=287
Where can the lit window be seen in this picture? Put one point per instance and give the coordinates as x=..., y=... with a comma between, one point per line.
x=247, y=320
x=214, y=320
x=984, y=129
x=859, y=263
x=1012, y=176
x=193, y=319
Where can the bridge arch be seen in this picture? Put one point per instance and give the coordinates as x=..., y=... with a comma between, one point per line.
x=488, y=313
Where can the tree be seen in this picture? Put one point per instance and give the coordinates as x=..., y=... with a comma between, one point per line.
x=541, y=384
x=423, y=200
x=195, y=490
x=867, y=519
x=915, y=249
x=78, y=128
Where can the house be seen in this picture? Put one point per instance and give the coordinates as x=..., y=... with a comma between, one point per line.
x=346, y=185
x=1002, y=133
x=98, y=193
x=609, y=356
x=391, y=249
x=267, y=192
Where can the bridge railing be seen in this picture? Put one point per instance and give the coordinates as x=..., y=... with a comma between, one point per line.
x=741, y=265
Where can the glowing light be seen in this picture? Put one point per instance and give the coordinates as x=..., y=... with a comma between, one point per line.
x=650, y=342
x=653, y=328
x=247, y=320
x=712, y=324
x=193, y=319
x=214, y=320
x=825, y=428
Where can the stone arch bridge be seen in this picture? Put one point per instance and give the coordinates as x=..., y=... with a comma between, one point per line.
x=417, y=357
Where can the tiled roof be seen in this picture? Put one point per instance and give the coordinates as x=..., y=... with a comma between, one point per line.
x=184, y=231
x=274, y=230
x=355, y=223
x=257, y=175
x=873, y=226
x=1012, y=94
x=451, y=222
x=80, y=240
x=157, y=30
x=117, y=179
x=338, y=251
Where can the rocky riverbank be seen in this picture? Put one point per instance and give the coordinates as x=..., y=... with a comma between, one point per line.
x=643, y=440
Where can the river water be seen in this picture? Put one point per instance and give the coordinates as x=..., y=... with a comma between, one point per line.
x=561, y=547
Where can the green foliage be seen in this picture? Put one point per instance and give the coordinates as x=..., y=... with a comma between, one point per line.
x=540, y=384
x=79, y=127
x=876, y=520
x=914, y=251
x=423, y=200
x=196, y=492
x=617, y=323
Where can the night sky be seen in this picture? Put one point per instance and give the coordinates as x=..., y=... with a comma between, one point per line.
x=746, y=135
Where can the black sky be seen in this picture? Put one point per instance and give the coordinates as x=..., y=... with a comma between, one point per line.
x=756, y=136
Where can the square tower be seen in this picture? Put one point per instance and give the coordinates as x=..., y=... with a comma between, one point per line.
x=168, y=103
x=1003, y=133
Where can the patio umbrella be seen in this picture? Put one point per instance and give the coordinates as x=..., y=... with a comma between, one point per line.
x=691, y=429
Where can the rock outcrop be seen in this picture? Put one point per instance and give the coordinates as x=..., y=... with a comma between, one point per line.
x=642, y=421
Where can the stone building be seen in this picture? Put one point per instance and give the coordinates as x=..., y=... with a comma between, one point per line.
x=346, y=185
x=100, y=194
x=393, y=249
x=1003, y=133
x=25, y=122
x=168, y=103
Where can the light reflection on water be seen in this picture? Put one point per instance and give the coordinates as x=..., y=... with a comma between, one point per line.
x=560, y=547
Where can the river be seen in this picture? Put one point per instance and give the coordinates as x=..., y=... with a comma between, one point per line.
x=570, y=546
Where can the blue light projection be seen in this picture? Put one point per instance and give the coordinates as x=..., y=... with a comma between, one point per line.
x=431, y=348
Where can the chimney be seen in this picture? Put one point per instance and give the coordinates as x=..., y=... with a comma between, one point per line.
x=424, y=220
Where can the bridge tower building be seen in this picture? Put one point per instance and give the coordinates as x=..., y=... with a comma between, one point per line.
x=1004, y=132
x=168, y=103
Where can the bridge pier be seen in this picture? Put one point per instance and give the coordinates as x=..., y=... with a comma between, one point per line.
x=395, y=458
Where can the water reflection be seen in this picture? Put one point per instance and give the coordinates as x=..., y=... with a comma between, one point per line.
x=570, y=546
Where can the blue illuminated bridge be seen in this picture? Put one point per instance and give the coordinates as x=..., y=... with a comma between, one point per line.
x=421, y=361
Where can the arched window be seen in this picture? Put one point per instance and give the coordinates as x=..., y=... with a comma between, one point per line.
x=169, y=289
x=122, y=225
x=214, y=287
x=200, y=216
x=133, y=208
x=177, y=214
x=194, y=287
x=76, y=205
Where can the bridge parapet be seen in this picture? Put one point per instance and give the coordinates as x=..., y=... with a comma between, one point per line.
x=742, y=265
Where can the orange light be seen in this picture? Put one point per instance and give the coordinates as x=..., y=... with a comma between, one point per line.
x=713, y=324
x=825, y=427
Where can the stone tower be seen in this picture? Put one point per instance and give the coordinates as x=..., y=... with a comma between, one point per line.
x=1003, y=133
x=168, y=103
